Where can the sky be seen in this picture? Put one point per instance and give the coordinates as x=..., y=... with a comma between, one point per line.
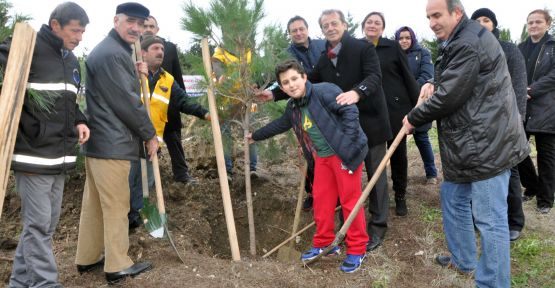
x=510, y=14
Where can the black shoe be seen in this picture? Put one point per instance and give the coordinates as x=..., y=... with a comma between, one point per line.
x=374, y=243
x=526, y=198
x=132, y=271
x=307, y=204
x=443, y=261
x=188, y=180
x=88, y=268
x=514, y=235
x=134, y=224
x=400, y=207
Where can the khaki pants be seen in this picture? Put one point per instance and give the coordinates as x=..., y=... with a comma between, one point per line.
x=104, y=225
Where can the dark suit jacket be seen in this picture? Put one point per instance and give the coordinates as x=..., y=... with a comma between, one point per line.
x=358, y=69
x=400, y=87
x=171, y=65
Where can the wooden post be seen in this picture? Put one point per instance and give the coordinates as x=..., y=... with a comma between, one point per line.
x=218, y=145
x=16, y=74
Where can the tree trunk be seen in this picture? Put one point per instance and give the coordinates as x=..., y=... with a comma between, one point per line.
x=248, y=189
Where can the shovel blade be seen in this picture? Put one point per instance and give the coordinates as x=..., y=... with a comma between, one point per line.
x=153, y=221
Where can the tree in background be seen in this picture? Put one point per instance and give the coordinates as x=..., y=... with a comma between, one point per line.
x=523, y=33
x=353, y=26
x=432, y=46
x=505, y=35
x=232, y=25
x=7, y=22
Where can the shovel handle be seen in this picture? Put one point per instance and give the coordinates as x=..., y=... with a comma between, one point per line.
x=155, y=165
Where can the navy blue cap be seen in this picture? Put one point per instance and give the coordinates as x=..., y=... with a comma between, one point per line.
x=133, y=9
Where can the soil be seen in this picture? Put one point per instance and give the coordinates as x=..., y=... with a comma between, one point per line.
x=199, y=230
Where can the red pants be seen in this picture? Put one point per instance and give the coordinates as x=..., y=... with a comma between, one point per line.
x=332, y=182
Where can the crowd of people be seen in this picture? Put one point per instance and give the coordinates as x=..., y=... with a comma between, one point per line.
x=347, y=98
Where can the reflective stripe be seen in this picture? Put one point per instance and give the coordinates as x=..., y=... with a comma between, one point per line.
x=52, y=86
x=43, y=161
x=161, y=98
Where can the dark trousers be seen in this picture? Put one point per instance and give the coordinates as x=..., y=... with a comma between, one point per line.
x=399, y=168
x=379, y=199
x=542, y=184
x=172, y=138
x=514, y=202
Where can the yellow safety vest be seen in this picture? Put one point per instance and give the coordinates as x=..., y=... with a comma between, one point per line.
x=159, y=103
x=228, y=58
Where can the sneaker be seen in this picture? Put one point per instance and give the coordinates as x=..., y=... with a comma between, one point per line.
x=307, y=204
x=188, y=180
x=254, y=174
x=431, y=181
x=313, y=252
x=526, y=198
x=352, y=263
x=543, y=210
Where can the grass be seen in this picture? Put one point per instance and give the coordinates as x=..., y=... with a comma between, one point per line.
x=533, y=261
x=431, y=215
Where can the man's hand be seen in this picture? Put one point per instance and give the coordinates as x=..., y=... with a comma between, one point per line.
x=409, y=128
x=347, y=98
x=249, y=138
x=142, y=68
x=527, y=94
x=152, y=147
x=207, y=117
x=264, y=95
x=426, y=92
x=83, y=132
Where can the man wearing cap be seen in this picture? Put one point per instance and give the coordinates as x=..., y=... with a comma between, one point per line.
x=165, y=94
x=119, y=124
x=172, y=133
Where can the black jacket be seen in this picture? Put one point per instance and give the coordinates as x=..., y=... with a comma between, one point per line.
x=117, y=118
x=308, y=56
x=337, y=123
x=399, y=85
x=540, y=111
x=46, y=139
x=358, y=69
x=171, y=65
x=480, y=134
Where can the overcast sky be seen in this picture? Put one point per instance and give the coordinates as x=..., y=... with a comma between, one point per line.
x=510, y=14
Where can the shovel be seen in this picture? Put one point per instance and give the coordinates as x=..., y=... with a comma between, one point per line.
x=156, y=168
x=341, y=234
x=149, y=212
x=289, y=253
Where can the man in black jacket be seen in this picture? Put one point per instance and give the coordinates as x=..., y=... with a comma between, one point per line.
x=172, y=133
x=118, y=123
x=481, y=138
x=353, y=65
x=45, y=144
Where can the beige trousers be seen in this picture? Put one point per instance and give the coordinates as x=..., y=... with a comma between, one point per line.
x=104, y=225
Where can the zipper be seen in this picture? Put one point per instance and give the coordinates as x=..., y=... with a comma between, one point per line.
x=64, y=168
x=538, y=61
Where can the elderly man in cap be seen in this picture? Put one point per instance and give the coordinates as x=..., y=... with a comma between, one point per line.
x=119, y=124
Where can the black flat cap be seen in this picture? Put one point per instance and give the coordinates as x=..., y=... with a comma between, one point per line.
x=133, y=9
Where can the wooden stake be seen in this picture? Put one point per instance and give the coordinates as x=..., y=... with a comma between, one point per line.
x=16, y=74
x=218, y=146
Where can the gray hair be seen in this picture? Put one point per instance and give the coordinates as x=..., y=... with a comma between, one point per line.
x=452, y=4
x=329, y=12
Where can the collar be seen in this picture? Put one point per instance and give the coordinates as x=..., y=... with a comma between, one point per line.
x=303, y=101
x=114, y=34
x=56, y=42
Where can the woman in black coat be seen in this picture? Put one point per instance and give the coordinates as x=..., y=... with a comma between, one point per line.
x=539, y=54
x=401, y=93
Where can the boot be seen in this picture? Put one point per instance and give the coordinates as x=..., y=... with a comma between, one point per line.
x=401, y=207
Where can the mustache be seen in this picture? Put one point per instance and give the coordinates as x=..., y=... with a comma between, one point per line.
x=133, y=33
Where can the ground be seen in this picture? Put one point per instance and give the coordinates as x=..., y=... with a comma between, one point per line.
x=199, y=230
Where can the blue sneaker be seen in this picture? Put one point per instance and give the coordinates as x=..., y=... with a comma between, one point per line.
x=352, y=263
x=313, y=252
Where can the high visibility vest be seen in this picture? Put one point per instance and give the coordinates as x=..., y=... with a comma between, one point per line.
x=228, y=58
x=159, y=103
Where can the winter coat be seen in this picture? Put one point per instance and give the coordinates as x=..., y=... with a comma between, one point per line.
x=358, y=69
x=420, y=64
x=399, y=85
x=540, y=110
x=479, y=128
x=117, y=118
x=308, y=57
x=338, y=124
x=47, y=138
x=517, y=70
